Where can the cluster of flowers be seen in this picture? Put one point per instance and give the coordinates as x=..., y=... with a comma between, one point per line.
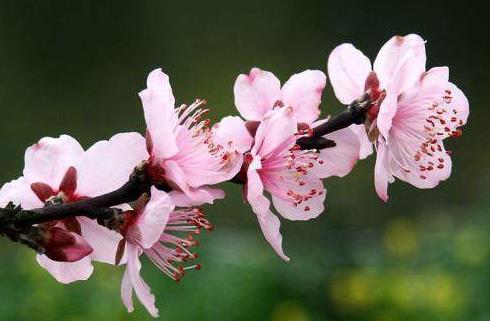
x=410, y=112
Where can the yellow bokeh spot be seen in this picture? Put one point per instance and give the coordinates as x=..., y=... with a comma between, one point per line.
x=289, y=311
x=401, y=238
x=354, y=290
x=444, y=295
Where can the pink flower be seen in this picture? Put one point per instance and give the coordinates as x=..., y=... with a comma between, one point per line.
x=182, y=152
x=259, y=92
x=412, y=111
x=58, y=170
x=276, y=165
x=151, y=229
x=401, y=60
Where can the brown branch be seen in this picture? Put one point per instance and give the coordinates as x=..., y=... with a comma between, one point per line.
x=354, y=114
x=15, y=217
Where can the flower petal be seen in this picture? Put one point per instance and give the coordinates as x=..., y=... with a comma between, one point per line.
x=256, y=93
x=19, y=192
x=48, y=160
x=338, y=160
x=276, y=130
x=303, y=92
x=382, y=171
x=65, y=272
x=161, y=120
x=132, y=279
x=348, y=69
x=309, y=208
x=107, y=165
x=270, y=225
x=151, y=223
x=177, y=176
x=231, y=133
x=366, y=146
x=400, y=61
x=103, y=241
x=180, y=199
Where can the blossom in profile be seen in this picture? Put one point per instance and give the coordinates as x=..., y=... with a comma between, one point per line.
x=276, y=165
x=165, y=235
x=183, y=155
x=58, y=171
x=411, y=110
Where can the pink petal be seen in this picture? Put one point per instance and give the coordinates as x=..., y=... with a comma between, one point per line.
x=303, y=92
x=107, y=165
x=103, y=241
x=255, y=189
x=19, y=192
x=459, y=103
x=366, y=146
x=348, y=69
x=65, y=272
x=427, y=178
x=176, y=175
x=338, y=160
x=276, y=130
x=256, y=93
x=48, y=160
x=308, y=209
x=153, y=220
x=133, y=281
x=161, y=120
x=401, y=61
x=231, y=133
x=387, y=111
x=180, y=199
x=382, y=172
x=270, y=225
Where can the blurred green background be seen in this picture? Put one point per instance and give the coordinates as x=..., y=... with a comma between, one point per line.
x=76, y=68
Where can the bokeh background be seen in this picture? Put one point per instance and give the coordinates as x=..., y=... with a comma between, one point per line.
x=76, y=67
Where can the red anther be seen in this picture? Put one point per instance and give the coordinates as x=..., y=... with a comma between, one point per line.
x=457, y=133
x=278, y=103
x=440, y=166
x=422, y=177
x=307, y=208
x=198, y=267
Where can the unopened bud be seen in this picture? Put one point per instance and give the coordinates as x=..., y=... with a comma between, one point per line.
x=64, y=246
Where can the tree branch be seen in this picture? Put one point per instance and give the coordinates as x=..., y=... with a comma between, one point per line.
x=16, y=217
x=354, y=114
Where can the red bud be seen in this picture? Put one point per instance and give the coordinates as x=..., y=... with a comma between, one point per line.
x=64, y=246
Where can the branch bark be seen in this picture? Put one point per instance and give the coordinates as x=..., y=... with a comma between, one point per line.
x=138, y=183
x=354, y=114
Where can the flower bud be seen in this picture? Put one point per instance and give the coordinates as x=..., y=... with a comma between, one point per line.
x=65, y=246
